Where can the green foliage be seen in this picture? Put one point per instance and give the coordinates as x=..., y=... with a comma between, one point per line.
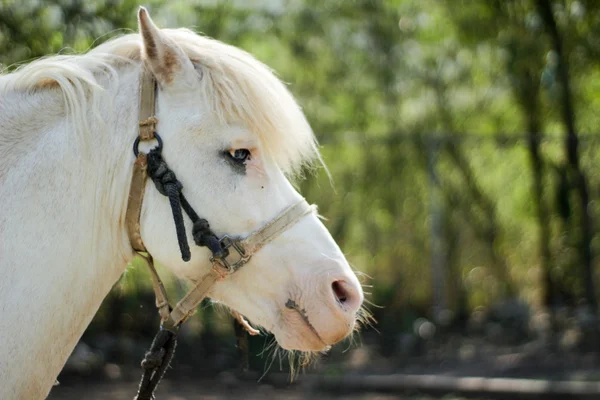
x=422, y=110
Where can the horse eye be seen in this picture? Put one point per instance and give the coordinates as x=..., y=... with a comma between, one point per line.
x=240, y=155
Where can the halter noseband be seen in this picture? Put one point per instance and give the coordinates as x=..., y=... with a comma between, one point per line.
x=224, y=261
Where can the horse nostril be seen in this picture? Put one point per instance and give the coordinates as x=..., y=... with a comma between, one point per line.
x=347, y=294
x=341, y=294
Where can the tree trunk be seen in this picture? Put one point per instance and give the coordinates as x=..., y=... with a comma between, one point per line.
x=528, y=96
x=572, y=150
x=527, y=90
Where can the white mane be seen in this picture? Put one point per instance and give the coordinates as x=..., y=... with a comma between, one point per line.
x=238, y=88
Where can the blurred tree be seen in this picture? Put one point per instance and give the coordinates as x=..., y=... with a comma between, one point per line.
x=438, y=122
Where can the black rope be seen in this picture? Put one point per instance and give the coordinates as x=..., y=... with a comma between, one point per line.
x=155, y=363
x=167, y=184
x=201, y=232
x=158, y=358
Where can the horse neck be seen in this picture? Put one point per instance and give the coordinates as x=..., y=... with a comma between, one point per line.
x=62, y=239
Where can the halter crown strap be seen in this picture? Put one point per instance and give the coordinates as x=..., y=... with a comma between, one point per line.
x=148, y=120
x=147, y=126
x=137, y=188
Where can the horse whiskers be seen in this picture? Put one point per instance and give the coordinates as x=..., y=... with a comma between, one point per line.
x=365, y=318
x=272, y=356
x=268, y=346
x=362, y=276
x=297, y=360
x=372, y=304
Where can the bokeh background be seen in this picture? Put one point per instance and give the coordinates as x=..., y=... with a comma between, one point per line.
x=463, y=141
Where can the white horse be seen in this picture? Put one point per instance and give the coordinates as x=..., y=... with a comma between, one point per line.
x=233, y=134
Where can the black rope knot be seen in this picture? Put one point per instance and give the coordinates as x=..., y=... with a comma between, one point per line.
x=203, y=236
x=156, y=362
x=153, y=359
x=164, y=179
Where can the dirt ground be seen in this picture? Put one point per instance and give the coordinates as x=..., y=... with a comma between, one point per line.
x=207, y=390
x=452, y=359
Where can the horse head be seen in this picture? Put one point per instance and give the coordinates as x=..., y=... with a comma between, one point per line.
x=235, y=136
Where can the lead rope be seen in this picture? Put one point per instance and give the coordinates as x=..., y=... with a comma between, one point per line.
x=161, y=352
x=158, y=358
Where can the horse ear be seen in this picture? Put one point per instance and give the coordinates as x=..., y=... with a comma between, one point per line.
x=162, y=55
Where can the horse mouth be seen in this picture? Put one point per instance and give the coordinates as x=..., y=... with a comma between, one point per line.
x=312, y=341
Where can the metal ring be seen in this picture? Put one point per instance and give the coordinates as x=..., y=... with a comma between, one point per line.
x=136, y=144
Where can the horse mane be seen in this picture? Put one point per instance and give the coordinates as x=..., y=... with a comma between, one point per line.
x=237, y=87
